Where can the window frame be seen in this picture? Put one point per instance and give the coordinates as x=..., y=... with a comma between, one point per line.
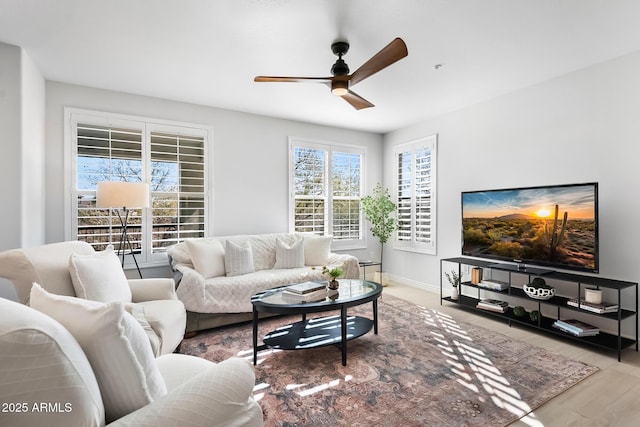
x=328, y=147
x=413, y=245
x=147, y=125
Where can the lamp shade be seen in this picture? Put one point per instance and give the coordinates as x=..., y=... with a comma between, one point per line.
x=117, y=194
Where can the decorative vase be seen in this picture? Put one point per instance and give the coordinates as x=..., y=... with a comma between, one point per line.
x=334, y=284
x=593, y=296
x=454, y=293
x=476, y=275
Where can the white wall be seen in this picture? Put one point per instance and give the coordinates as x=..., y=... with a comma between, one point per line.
x=581, y=127
x=33, y=152
x=250, y=175
x=10, y=143
x=22, y=153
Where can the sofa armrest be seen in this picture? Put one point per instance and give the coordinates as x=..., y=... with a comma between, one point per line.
x=220, y=396
x=349, y=264
x=191, y=290
x=152, y=289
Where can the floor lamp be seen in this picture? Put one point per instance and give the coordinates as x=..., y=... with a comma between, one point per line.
x=123, y=196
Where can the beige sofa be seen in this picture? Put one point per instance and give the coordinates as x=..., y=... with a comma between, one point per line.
x=49, y=265
x=51, y=377
x=217, y=291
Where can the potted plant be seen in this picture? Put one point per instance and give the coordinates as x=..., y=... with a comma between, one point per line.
x=333, y=274
x=454, y=279
x=378, y=209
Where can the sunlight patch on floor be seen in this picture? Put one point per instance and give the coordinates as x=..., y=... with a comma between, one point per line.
x=473, y=368
x=530, y=420
x=302, y=390
x=258, y=394
x=318, y=388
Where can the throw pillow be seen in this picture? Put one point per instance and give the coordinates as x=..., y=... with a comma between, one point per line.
x=316, y=249
x=289, y=256
x=207, y=257
x=99, y=277
x=238, y=259
x=137, y=311
x=115, y=344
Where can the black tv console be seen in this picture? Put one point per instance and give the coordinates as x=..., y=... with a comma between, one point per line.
x=626, y=292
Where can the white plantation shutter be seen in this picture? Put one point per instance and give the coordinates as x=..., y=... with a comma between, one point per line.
x=310, y=192
x=345, y=188
x=423, y=194
x=416, y=183
x=325, y=188
x=170, y=157
x=106, y=153
x=177, y=188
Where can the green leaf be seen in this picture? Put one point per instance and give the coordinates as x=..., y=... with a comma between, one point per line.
x=378, y=209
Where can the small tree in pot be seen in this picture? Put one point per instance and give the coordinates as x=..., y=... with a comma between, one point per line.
x=378, y=209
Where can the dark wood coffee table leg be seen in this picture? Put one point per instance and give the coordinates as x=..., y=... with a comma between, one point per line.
x=255, y=336
x=343, y=324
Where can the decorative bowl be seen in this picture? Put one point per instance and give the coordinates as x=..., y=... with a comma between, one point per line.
x=539, y=293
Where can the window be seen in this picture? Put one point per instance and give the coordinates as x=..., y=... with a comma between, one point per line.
x=172, y=158
x=325, y=187
x=416, y=190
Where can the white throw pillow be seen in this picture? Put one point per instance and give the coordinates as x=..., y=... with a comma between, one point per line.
x=137, y=311
x=316, y=249
x=207, y=257
x=289, y=256
x=115, y=344
x=99, y=277
x=238, y=259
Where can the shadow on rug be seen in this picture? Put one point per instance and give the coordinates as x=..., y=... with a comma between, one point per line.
x=423, y=369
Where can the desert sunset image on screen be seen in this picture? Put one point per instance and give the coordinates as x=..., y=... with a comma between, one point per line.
x=555, y=225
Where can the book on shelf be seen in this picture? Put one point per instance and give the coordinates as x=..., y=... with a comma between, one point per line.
x=494, y=285
x=576, y=327
x=305, y=287
x=604, y=307
x=296, y=298
x=493, y=305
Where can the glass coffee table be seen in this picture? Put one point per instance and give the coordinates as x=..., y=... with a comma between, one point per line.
x=317, y=332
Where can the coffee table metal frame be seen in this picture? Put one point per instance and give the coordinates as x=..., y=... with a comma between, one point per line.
x=295, y=333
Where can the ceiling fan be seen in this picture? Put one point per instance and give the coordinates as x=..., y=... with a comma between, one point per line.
x=342, y=80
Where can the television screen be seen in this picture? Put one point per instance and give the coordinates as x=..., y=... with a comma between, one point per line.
x=555, y=226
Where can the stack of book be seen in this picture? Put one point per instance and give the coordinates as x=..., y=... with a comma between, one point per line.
x=603, y=307
x=576, y=327
x=493, y=305
x=305, y=292
x=494, y=285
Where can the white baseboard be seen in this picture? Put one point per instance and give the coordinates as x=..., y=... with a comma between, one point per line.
x=409, y=282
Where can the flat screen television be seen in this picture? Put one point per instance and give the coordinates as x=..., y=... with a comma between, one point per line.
x=552, y=226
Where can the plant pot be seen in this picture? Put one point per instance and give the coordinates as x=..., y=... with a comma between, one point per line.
x=455, y=293
x=381, y=278
x=334, y=284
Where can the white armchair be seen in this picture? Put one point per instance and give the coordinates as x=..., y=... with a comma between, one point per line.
x=46, y=379
x=48, y=265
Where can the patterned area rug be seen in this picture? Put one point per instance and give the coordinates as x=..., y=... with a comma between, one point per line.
x=423, y=369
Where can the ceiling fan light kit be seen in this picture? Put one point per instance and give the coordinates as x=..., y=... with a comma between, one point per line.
x=341, y=80
x=339, y=88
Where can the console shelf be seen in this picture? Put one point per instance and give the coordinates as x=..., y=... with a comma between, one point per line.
x=470, y=296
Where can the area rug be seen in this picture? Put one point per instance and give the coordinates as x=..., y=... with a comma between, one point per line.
x=422, y=369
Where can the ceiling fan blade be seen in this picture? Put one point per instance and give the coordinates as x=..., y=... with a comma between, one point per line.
x=292, y=79
x=356, y=100
x=393, y=52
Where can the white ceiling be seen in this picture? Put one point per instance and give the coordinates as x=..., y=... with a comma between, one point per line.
x=208, y=51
